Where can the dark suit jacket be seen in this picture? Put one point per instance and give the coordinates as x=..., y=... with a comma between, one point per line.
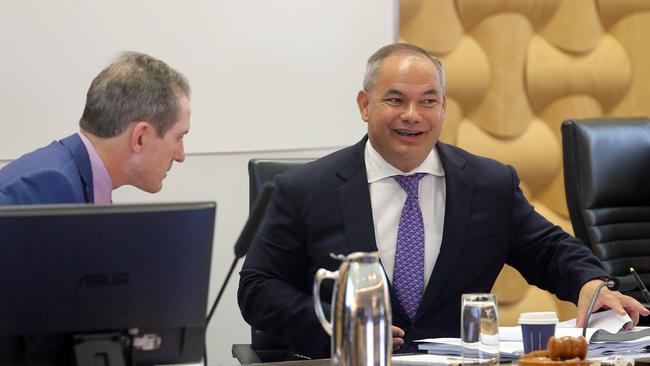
x=324, y=207
x=57, y=173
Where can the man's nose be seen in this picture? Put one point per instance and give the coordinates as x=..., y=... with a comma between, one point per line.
x=179, y=154
x=410, y=113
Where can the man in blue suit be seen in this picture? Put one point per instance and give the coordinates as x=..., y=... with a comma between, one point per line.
x=471, y=219
x=137, y=112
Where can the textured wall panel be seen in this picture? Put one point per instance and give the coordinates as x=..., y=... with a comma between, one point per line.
x=431, y=24
x=537, y=166
x=633, y=33
x=450, y=126
x=575, y=27
x=611, y=11
x=516, y=69
x=551, y=73
x=538, y=12
x=505, y=111
x=469, y=67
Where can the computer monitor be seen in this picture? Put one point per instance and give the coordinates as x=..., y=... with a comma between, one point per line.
x=105, y=279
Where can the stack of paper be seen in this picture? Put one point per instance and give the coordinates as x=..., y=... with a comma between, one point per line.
x=607, y=335
x=428, y=359
x=451, y=347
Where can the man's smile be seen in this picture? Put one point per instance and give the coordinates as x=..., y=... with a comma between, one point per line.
x=407, y=133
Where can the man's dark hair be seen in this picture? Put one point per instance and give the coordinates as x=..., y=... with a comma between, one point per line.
x=136, y=87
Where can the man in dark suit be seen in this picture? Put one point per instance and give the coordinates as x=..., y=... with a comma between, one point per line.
x=137, y=112
x=473, y=216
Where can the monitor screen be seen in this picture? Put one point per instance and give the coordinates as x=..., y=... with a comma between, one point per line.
x=75, y=278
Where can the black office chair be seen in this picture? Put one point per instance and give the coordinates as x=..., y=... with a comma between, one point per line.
x=607, y=183
x=264, y=348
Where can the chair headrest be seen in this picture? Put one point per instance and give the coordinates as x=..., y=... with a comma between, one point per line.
x=614, y=160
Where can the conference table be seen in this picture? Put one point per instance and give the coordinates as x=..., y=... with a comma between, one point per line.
x=640, y=360
x=319, y=362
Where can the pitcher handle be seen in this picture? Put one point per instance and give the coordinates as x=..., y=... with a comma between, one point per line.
x=322, y=274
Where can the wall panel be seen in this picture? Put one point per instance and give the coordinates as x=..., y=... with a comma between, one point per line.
x=516, y=69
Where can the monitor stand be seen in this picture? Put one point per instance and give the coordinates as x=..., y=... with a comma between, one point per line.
x=101, y=349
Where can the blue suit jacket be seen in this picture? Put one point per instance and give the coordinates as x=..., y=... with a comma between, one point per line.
x=57, y=173
x=324, y=207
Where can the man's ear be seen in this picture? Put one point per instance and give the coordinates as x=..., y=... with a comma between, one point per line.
x=139, y=136
x=362, y=102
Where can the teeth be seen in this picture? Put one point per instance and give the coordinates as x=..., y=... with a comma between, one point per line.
x=406, y=133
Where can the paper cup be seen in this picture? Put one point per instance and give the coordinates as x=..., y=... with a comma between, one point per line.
x=536, y=329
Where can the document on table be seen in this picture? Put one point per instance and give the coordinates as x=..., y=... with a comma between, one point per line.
x=427, y=359
x=603, y=322
x=607, y=335
x=451, y=347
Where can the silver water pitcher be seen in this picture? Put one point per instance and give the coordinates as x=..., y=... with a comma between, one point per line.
x=360, y=328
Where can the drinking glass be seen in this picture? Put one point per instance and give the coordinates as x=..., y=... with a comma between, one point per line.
x=479, y=329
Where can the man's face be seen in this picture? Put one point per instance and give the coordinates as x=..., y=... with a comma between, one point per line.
x=159, y=154
x=404, y=110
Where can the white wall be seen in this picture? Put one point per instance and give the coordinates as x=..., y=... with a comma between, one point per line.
x=258, y=69
x=269, y=78
x=222, y=178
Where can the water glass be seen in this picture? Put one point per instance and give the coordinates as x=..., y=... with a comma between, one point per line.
x=479, y=329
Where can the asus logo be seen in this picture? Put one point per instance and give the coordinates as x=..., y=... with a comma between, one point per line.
x=104, y=279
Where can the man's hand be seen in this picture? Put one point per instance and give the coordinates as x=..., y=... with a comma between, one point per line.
x=608, y=300
x=398, y=341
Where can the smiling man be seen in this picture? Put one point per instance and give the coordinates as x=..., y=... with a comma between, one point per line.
x=136, y=115
x=443, y=220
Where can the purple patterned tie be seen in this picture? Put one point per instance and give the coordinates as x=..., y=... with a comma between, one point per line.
x=408, y=277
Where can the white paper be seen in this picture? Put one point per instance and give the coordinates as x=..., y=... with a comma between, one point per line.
x=609, y=321
x=427, y=359
x=511, y=344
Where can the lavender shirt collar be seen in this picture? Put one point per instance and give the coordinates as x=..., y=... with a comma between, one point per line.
x=102, y=183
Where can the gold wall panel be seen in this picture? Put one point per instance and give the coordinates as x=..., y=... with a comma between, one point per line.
x=451, y=123
x=504, y=37
x=575, y=27
x=469, y=67
x=633, y=33
x=432, y=25
x=535, y=154
x=592, y=73
x=611, y=11
x=515, y=70
x=538, y=12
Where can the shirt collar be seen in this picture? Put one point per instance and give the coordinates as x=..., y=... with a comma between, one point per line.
x=102, y=183
x=377, y=168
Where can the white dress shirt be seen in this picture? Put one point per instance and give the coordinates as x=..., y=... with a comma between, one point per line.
x=387, y=199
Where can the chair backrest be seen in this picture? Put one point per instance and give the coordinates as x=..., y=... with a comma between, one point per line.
x=607, y=183
x=261, y=171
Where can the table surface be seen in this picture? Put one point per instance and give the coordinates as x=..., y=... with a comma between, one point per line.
x=320, y=362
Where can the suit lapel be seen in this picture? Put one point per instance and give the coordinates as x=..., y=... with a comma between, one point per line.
x=459, y=189
x=354, y=200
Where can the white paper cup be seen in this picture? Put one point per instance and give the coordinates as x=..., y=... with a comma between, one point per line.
x=536, y=329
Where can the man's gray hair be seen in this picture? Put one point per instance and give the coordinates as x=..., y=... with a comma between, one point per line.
x=136, y=87
x=374, y=62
